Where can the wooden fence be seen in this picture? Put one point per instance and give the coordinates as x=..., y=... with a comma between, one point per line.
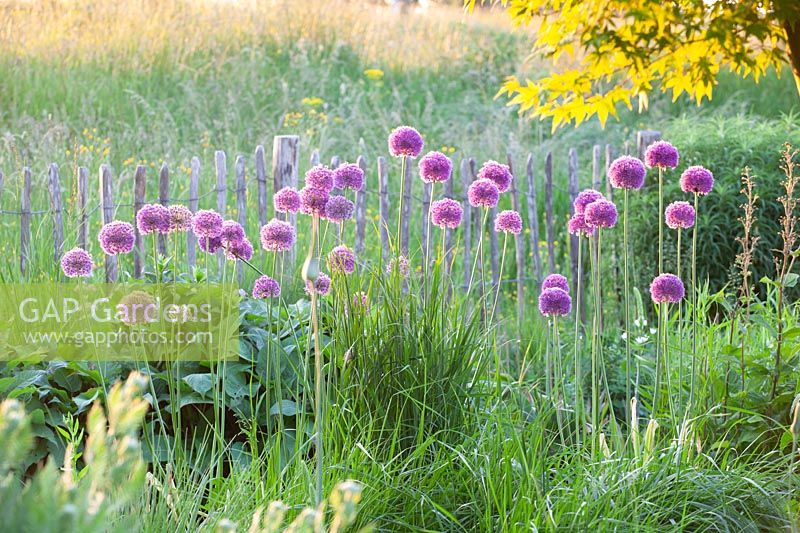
x=285, y=171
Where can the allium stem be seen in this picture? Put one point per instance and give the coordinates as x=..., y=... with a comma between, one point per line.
x=657, y=384
x=497, y=289
x=400, y=211
x=626, y=282
x=317, y=368
x=576, y=340
x=694, y=301
x=680, y=331
x=595, y=331
x=660, y=220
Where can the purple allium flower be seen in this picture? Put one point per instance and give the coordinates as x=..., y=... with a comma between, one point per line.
x=626, y=172
x=679, y=215
x=435, y=167
x=116, y=238
x=152, y=218
x=405, y=140
x=667, y=288
x=320, y=177
x=483, y=193
x=661, y=154
x=339, y=209
x=348, y=176
x=210, y=245
x=206, y=223
x=360, y=299
x=312, y=201
x=266, y=287
x=577, y=226
x=277, y=236
x=77, y=263
x=232, y=231
x=508, y=222
x=556, y=280
x=402, y=266
x=601, y=214
x=322, y=285
x=497, y=172
x=554, y=302
x=241, y=249
x=446, y=213
x=584, y=198
x=180, y=218
x=698, y=180
x=287, y=200
x=341, y=260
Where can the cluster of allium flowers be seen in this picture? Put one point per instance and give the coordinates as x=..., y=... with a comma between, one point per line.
x=446, y=213
x=313, y=201
x=402, y=266
x=116, y=238
x=266, y=287
x=435, y=167
x=626, y=172
x=555, y=280
x=508, y=222
x=405, y=141
x=206, y=224
x=210, y=245
x=277, y=236
x=287, y=200
x=679, y=215
x=152, y=218
x=348, y=176
x=554, y=302
x=661, y=154
x=483, y=193
x=180, y=218
x=698, y=180
x=341, y=260
x=601, y=214
x=241, y=249
x=339, y=209
x=577, y=226
x=584, y=198
x=667, y=288
x=498, y=173
x=77, y=263
x=231, y=232
x=322, y=285
x=320, y=177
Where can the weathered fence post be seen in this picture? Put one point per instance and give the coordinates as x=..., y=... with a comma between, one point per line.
x=25, y=221
x=139, y=192
x=334, y=161
x=163, y=199
x=83, y=207
x=533, y=218
x=519, y=243
x=406, y=214
x=466, y=179
x=54, y=186
x=261, y=179
x=107, y=204
x=285, y=167
x=573, y=239
x=609, y=160
x=383, y=192
x=596, y=169
x=361, y=209
x=314, y=159
x=548, y=211
x=221, y=166
x=645, y=138
x=241, y=206
x=194, y=186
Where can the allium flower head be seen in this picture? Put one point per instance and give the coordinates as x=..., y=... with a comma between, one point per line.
x=322, y=285
x=679, y=215
x=497, y=172
x=320, y=177
x=402, y=266
x=342, y=260
x=626, y=172
x=339, y=209
x=180, y=218
x=666, y=288
x=287, y=200
x=435, y=167
x=312, y=201
x=584, y=198
x=241, y=249
x=77, y=263
x=210, y=245
x=698, y=180
x=348, y=176
x=554, y=302
x=152, y=218
x=508, y=222
x=360, y=299
x=446, y=213
x=556, y=280
x=266, y=287
x=232, y=231
x=206, y=223
x=661, y=154
x=601, y=214
x=277, y=236
x=483, y=193
x=116, y=238
x=577, y=226
x=405, y=140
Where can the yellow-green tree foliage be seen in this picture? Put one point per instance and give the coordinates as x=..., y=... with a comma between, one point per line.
x=618, y=51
